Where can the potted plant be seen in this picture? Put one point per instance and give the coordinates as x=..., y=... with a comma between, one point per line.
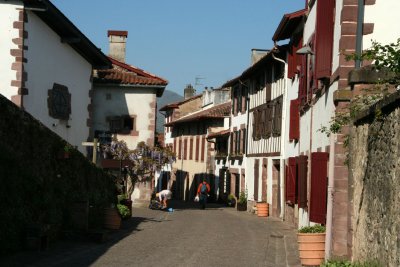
x=231, y=201
x=124, y=200
x=123, y=211
x=242, y=202
x=311, y=241
x=67, y=150
x=112, y=218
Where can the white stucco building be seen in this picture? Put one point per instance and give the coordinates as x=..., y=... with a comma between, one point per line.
x=46, y=67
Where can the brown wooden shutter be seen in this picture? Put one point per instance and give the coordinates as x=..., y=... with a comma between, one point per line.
x=256, y=176
x=277, y=120
x=185, y=143
x=291, y=181
x=319, y=182
x=268, y=120
x=175, y=146
x=294, y=126
x=302, y=162
x=191, y=148
x=197, y=147
x=294, y=59
x=180, y=149
x=324, y=38
x=203, y=148
x=243, y=147
x=244, y=96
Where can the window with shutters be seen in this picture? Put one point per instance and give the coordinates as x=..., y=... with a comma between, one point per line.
x=303, y=81
x=319, y=185
x=175, y=146
x=294, y=121
x=302, y=170
x=238, y=141
x=324, y=38
x=291, y=181
x=239, y=99
x=256, y=125
x=268, y=119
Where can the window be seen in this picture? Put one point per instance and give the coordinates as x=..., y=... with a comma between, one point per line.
x=277, y=120
x=185, y=144
x=122, y=124
x=191, y=149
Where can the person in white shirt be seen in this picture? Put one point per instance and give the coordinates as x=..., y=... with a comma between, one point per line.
x=163, y=196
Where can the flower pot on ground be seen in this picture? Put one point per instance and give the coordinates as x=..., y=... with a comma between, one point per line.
x=112, y=219
x=262, y=209
x=242, y=201
x=123, y=211
x=311, y=240
x=231, y=201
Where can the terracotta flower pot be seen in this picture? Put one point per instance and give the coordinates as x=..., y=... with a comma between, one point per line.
x=311, y=248
x=262, y=209
x=112, y=220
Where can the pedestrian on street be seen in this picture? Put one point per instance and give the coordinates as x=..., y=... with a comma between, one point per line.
x=163, y=196
x=202, y=193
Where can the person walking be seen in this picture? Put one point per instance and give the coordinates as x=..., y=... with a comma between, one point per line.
x=202, y=192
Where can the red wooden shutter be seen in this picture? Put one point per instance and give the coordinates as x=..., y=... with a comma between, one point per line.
x=197, y=147
x=324, y=38
x=203, y=148
x=291, y=181
x=302, y=181
x=291, y=62
x=180, y=149
x=191, y=148
x=319, y=182
x=185, y=149
x=294, y=127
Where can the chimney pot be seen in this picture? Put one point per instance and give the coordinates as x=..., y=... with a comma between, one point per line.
x=117, y=41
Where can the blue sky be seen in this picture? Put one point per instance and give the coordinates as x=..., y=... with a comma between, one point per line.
x=180, y=40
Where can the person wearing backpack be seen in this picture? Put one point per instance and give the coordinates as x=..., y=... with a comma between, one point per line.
x=202, y=193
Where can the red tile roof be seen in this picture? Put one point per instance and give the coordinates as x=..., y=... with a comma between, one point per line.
x=124, y=74
x=220, y=111
x=122, y=77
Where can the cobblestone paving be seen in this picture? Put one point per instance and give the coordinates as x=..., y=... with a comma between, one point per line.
x=217, y=236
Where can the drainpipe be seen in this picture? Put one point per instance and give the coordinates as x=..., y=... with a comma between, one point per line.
x=283, y=133
x=331, y=190
x=359, y=33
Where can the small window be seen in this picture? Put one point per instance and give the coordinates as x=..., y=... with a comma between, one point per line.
x=122, y=124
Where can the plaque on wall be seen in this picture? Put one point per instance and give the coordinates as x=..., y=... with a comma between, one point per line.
x=59, y=102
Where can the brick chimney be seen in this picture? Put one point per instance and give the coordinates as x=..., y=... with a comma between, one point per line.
x=117, y=40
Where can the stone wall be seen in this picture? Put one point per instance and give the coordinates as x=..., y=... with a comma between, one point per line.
x=38, y=186
x=375, y=182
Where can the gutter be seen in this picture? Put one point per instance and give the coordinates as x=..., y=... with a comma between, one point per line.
x=283, y=134
x=359, y=33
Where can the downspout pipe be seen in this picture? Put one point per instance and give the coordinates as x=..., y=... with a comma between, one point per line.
x=359, y=32
x=331, y=191
x=283, y=134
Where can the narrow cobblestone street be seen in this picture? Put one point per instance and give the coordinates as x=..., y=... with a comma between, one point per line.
x=188, y=236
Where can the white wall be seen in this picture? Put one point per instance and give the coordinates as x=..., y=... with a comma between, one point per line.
x=124, y=101
x=309, y=27
x=291, y=149
x=50, y=61
x=8, y=14
x=337, y=35
x=385, y=15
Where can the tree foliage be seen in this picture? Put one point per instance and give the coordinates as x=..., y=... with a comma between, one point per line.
x=143, y=160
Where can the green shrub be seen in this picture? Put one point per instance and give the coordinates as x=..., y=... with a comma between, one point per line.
x=243, y=197
x=123, y=211
x=313, y=229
